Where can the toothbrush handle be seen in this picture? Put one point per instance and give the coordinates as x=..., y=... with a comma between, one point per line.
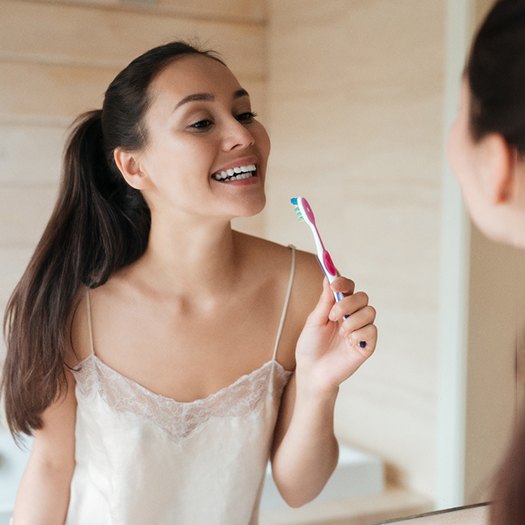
x=338, y=296
x=325, y=261
x=328, y=267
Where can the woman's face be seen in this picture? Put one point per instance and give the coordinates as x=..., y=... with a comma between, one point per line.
x=206, y=154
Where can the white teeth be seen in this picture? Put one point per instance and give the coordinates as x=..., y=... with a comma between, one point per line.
x=236, y=173
x=241, y=176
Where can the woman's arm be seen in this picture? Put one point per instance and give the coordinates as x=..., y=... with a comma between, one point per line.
x=43, y=495
x=305, y=450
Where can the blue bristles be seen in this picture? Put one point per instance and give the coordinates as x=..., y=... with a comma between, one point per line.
x=295, y=203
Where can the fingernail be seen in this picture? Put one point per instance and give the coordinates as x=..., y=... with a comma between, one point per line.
x=332, y=316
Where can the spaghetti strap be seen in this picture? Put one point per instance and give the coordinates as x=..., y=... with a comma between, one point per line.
x=90, y=325
x=286, y=301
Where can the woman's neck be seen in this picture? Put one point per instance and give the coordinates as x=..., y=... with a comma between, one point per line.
x=201, y=259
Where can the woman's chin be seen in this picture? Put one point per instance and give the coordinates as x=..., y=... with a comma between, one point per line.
x=251, y=207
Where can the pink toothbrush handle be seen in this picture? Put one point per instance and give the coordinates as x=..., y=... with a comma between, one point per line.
x=329, y=265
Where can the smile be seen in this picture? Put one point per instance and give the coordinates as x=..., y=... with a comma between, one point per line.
x=237, y=173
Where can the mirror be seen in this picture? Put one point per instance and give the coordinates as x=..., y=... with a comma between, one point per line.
x=467, y=515
x=357, y=97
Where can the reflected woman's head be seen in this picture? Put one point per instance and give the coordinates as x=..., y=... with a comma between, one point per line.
x=487, y=154
x=487, y=141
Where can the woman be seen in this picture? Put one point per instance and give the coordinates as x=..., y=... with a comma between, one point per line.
x=487, y=154
x=149, y=344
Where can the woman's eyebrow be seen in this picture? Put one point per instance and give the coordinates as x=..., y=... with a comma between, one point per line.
x=208, y=97
x=193, y=97
x=241, y=93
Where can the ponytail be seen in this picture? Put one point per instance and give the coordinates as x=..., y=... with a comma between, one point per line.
x=99, y=225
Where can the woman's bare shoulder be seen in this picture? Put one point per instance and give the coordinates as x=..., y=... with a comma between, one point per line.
x=308, y=284
x=269, y=250
x=78, y=343
x=306, y=287
x=308, y=276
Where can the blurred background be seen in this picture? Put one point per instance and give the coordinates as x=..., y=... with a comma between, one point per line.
x=357, y=96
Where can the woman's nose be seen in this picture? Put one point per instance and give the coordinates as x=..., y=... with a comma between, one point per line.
x=237, y=135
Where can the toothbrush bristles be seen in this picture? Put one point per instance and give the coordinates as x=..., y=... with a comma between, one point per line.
x=295, y=203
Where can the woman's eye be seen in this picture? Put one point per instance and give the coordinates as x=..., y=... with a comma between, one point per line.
x=246, y=117
x=201, y=124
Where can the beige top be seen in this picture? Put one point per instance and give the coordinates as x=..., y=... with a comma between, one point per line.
x=143, y=458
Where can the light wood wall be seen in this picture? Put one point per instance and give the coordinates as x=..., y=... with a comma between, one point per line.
x=356, y=106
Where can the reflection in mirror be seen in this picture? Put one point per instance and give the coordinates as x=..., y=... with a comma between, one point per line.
x=353, y=94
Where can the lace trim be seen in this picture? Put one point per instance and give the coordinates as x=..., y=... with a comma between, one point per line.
x=181, y=419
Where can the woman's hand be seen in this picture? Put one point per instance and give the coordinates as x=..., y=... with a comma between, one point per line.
x=331, y=347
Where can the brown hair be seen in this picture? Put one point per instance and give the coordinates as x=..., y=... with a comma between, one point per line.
x=99, y=224
x=495, y=73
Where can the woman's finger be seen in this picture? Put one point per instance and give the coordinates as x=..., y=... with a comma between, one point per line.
x=319, y=314
x=343, y=285
x=364, y=339
x=363, y=317
x=348, y=306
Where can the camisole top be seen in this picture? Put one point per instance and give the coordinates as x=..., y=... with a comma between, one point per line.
x=146, y=459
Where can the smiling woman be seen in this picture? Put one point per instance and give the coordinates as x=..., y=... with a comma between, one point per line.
x=143, y=319
x=208, y=131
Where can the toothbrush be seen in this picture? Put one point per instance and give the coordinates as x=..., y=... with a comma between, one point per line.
x=305, y=213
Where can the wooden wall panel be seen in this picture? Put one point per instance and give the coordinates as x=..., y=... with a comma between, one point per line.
x=41, y=32
x=24, y=212
x=254, y=10
x=30, y=154
x=356, y=111
x=241, y=11
x=50, y=93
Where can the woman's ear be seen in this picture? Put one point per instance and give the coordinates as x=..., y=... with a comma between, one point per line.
x=128, y=164
x=497, y=168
